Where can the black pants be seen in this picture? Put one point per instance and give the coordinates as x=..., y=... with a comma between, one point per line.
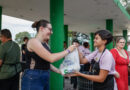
x=10, y=84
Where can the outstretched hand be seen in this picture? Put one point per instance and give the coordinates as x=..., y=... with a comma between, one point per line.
x=72, y=74
x=71, y=48
x=117, y=75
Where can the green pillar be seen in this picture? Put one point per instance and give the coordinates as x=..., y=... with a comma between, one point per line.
x=66, y=33
x=91, y=41
x=57, y=39
x=125, y=36
x=109, y=26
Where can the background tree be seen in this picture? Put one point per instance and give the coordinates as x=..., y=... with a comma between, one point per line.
x=19, y=37
x=126, y=4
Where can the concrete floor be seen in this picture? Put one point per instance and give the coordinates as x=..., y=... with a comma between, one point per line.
x=68, y=85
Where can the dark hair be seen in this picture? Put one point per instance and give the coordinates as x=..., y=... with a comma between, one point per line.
x=85, y=44
x=105, y=35
x=6, y=33
x=40, y=23
x=25, y=38
x=119, y=38
x=75, y=40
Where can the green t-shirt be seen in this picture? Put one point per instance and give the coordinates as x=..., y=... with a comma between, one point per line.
x=10, y=55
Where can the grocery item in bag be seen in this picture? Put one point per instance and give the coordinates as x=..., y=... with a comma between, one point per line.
x=70, y=63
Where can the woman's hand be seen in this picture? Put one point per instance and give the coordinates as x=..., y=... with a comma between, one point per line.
x=117, y=75
x=54, y=69
x=71, y=48
x=129, y=65
x=73, y=74
x=82, y=58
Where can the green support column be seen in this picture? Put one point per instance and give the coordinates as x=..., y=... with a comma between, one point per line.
x=66, y=33
x=109, y=26
x=57, y=39
x=91, y=41
x=125, y=36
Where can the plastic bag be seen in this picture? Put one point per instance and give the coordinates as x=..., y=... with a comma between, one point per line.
x=70, y=63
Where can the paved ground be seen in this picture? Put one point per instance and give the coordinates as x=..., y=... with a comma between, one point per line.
x=68, y=85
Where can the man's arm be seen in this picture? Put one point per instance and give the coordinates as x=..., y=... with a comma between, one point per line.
x=2, y=54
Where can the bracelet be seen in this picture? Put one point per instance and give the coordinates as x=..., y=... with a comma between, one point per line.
x=68, y=51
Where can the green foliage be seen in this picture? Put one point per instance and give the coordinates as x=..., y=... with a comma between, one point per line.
x=128, y=8
x=126, y=4
x=69, y=33
x=19, y=37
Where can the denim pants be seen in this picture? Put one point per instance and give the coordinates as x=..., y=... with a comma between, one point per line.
x=35, y=80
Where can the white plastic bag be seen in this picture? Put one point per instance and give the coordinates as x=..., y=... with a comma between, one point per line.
x=70, y=63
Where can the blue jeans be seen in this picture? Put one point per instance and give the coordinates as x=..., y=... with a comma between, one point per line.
x=35, y=80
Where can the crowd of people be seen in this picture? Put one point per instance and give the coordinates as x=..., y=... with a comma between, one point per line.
x=110, y=68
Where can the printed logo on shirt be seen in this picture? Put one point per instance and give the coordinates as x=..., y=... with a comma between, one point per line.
x=96, y=59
